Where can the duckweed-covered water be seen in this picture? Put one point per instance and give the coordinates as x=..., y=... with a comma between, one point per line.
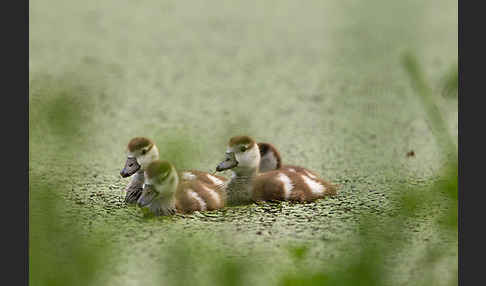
x=327, y=82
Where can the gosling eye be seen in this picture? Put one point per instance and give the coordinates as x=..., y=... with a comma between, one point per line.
x=144, y=151
x=243, y=148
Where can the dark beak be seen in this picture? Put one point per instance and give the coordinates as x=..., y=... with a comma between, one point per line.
x=228, y=163
x=131, y=167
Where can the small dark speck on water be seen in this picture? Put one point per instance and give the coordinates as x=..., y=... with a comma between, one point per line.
x=411, y=153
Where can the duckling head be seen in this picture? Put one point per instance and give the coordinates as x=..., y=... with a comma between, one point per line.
x=141, y=152
x=242, y=156
x=270, y=157
x=161, y=182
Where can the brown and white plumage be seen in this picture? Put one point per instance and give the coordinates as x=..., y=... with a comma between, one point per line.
x=166, y=192
x=272, y=160
x=142, y=151
x=248, y=184
x=289, y=185
x=200, y=191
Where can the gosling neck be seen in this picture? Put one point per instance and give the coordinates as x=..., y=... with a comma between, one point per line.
x=239, y=188
x=164, y=204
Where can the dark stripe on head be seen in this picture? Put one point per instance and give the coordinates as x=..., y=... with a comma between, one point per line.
x=138, y=143
x=266, y=148
x=245, y=140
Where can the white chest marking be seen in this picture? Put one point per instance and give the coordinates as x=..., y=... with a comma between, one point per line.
x=287, y=184
x=200, y=201
x=213, y=194
x=315, y=187
x=215, y=180
x=188, y=176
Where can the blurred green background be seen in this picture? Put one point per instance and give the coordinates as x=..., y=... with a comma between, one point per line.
x=344, y=88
